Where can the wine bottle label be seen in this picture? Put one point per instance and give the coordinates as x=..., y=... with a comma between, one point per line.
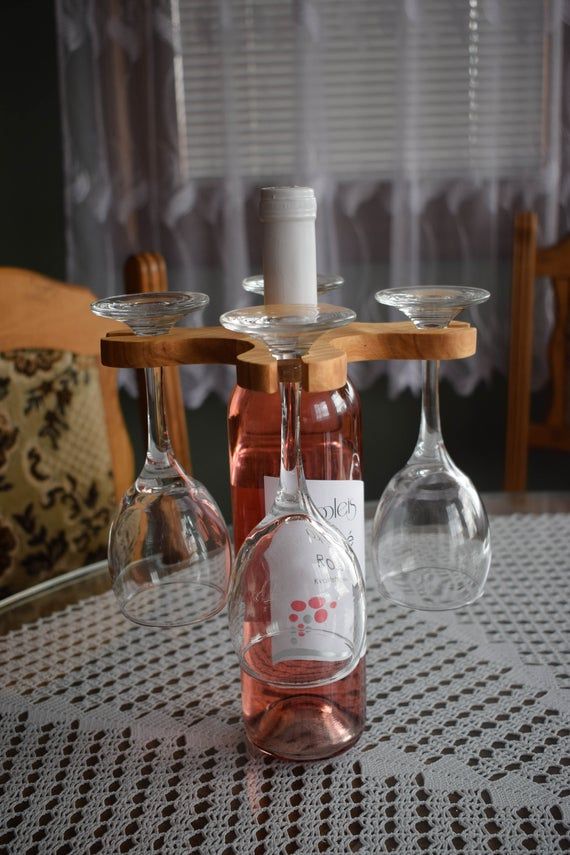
x=309, y=592
x=340, y=502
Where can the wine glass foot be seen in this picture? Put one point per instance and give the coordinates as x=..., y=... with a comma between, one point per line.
x=431, y=588
x=287, y=330
x=325, y=282
x=432, y=307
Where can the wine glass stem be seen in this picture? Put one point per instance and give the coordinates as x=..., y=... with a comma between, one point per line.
x=430, y=440
x=158, y=442
x=291, y=476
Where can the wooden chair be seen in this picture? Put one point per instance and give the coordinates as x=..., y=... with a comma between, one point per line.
x=144, y=272
x=65, y=455
x=530, y=263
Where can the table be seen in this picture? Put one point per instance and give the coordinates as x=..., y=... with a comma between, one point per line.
x=117, y=738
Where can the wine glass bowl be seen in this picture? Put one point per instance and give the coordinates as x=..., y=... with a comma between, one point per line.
x=169, y=550
x=431, y=544
x=289, y=632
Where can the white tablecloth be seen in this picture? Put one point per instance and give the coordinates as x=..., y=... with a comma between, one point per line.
x=117, y=738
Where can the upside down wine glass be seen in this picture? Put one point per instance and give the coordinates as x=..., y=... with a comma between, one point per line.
x=297, y=602
x=431, y=545
x=169, y=549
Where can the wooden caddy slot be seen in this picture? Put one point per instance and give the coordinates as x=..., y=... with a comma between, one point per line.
x=324, y=366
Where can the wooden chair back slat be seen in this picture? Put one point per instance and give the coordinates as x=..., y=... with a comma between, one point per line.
x=557, y=415
x=530, y=263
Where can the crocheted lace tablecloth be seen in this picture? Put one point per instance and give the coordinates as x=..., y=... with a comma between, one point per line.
x=117, y=738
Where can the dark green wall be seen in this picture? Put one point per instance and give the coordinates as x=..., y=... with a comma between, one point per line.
x=31, y=181
x=32, y=235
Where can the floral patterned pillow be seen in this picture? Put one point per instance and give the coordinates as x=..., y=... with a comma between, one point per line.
x=56, y=483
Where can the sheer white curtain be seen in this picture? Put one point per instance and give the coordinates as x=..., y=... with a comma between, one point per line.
x=422, y=124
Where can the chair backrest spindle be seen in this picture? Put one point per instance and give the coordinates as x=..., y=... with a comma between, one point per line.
x=531, y=263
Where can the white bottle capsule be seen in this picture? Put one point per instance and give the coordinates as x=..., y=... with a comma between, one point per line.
x=288, y=215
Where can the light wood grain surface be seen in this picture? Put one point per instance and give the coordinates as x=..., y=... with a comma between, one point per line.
x=324, y=366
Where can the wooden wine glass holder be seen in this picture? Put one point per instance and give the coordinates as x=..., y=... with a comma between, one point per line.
x=324, y=366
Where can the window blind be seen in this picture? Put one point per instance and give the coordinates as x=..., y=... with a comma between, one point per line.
x=366, y=87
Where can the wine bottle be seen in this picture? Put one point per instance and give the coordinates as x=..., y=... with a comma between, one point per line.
x=317, y=722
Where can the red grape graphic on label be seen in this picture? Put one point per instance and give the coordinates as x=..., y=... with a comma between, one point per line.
x=319, y=615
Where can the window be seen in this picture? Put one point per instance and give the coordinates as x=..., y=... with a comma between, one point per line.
x=366, y=87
